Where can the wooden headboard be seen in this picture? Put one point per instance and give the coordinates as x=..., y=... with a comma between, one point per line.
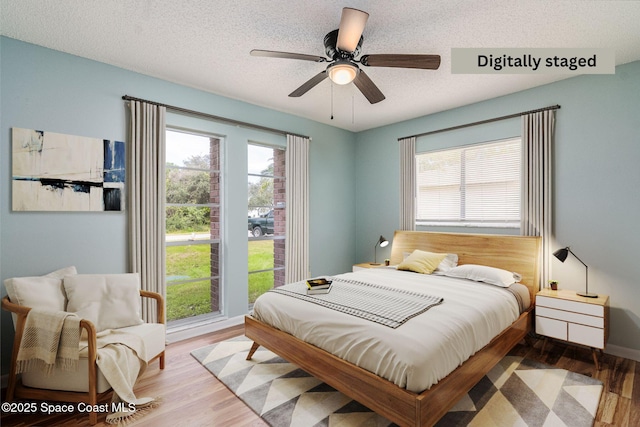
x=520, y=254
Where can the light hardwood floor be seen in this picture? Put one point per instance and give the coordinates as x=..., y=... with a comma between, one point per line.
x=191, y=396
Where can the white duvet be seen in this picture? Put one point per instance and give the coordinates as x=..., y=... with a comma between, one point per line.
x=415, y=355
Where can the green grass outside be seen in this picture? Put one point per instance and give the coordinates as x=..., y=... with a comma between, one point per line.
x=189, y=261
x=260, y=258
x=192, y=299
x=188, y=300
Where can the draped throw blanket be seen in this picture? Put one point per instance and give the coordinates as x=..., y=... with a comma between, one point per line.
x=385, y=305
x=50, y=339
x=121, y=358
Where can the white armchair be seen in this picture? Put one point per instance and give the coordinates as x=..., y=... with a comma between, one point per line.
x=98, y=301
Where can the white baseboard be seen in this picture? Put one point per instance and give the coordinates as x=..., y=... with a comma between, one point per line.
x=627, y=353
x=218, y=325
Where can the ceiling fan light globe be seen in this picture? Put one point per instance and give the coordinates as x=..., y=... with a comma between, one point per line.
x=342, y=74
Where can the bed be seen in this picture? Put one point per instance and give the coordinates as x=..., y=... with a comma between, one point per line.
x=392, y=394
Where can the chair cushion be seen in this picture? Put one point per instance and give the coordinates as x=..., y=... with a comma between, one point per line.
x=42, y=292
x=109, y=301
x=153, y=335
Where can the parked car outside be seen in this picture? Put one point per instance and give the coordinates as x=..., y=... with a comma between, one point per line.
x=262, y=224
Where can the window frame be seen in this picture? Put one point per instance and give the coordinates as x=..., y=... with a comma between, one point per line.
x=475, y=223
x=276, y=205
x=193, y=321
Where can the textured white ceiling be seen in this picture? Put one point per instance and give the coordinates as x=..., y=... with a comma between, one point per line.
x=205, y=44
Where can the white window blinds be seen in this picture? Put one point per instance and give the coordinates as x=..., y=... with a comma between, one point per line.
x=471, y=185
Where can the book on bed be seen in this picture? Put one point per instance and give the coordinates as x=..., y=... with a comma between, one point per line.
x=320, y=283
x=319, y=291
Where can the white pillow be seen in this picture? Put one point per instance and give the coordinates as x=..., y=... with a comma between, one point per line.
x=60, y=274
x=486, y=274
x=450, y=261
x=109, y=301
x=41, y=292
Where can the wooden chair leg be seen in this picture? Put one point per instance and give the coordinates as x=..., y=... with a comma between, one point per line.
x=254, y=347
x=12, y=381
x=11, y=385
x=93, y=394
x=162, y=360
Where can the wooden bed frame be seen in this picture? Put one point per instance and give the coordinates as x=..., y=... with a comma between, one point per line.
x=403, y=407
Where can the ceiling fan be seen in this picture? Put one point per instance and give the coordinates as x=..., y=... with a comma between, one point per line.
x=342, y=46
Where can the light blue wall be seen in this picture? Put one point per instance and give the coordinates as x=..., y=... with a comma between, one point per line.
x=596, y=178
x=596, y=181
x=48, y=90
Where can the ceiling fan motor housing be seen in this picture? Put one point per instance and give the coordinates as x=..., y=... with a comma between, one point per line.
x=341, y=47
x=330, y=41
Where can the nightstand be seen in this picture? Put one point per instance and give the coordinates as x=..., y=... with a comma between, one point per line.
x=566, y=316
x=364, y=265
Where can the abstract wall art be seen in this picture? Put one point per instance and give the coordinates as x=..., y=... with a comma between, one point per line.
x=57, y=172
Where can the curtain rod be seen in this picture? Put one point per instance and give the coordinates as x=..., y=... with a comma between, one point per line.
x=213, y=117
x=481, y=122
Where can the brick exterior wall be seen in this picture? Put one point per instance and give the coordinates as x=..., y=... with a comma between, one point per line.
x=214, y=222
x=279, y=214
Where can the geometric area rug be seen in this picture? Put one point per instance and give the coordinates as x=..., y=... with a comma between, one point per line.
x=517, y=392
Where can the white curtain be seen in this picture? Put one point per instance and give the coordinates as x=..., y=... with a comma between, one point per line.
x=297, y=209
x=407, y=183
x=537, y=214
x=147, y=199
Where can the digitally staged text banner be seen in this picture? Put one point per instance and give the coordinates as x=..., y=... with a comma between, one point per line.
x=532, y=61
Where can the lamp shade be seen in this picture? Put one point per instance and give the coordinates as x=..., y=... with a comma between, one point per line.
x=561, y=254
x=382, y=242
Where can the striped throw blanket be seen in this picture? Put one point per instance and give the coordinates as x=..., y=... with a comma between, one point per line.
x=50, y=338
x=385, y=305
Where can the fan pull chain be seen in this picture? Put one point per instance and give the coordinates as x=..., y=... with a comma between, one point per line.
x=331, y=100
x=353, y=110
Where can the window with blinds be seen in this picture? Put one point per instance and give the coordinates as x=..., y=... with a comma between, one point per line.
x=476, y=185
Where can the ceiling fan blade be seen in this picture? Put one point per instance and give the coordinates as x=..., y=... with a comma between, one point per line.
x=368, y=88
x=309, y=84
x=426, y=62
x=351, y=27
x=287, y=55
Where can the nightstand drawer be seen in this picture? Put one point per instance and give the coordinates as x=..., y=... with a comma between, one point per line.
x=586, y=335
x=563, y=314
x=577, y=307
x=569, y=316
x=551, y=328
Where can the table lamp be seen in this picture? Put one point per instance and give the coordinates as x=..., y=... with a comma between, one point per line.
x=382, y=242
x=562, y=254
